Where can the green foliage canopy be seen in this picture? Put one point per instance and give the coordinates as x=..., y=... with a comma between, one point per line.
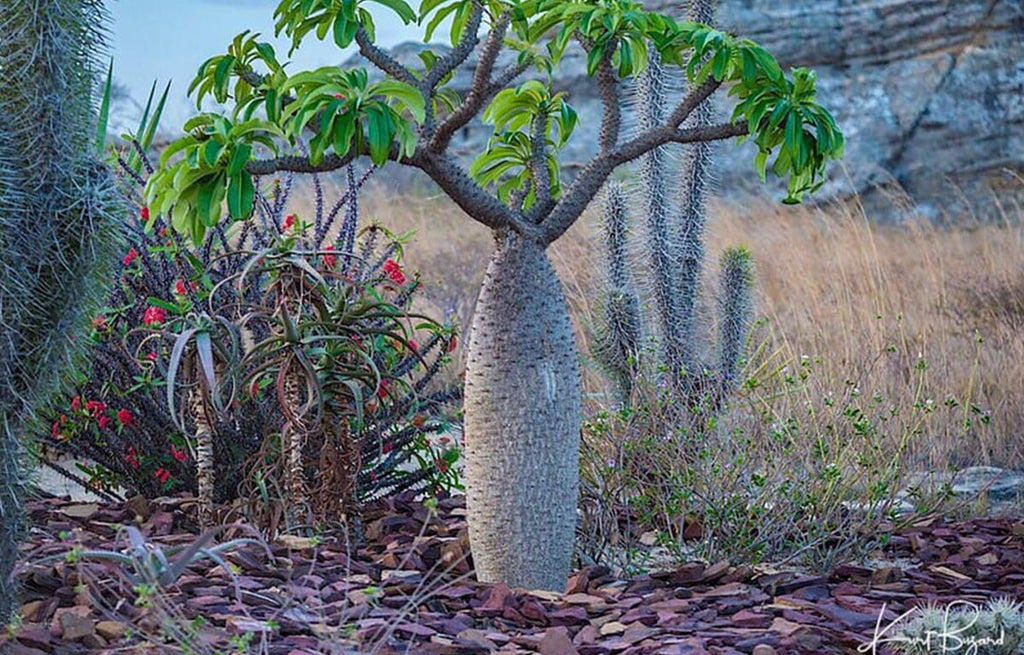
x=344, y=116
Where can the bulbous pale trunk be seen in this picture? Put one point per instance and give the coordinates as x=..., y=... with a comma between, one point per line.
x=522, y=422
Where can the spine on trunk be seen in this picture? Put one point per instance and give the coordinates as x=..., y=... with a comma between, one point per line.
x=60, y=222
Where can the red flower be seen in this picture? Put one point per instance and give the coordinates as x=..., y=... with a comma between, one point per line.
x=151, y=357
x=394, y=271
x=124, y=416
x=144, y=214
x=132, y=255
x=453, y=343
x=154, y=316
x=330, y=261
x=289, y=221
x=132, y=458
x=441, y=464
x=162, y=474
x=104, y=422
x=178, y=455
x=386, y=448
x=179, y=287
x=95, y=408
x=382, y=390
x=56, y=425
x=76, y=403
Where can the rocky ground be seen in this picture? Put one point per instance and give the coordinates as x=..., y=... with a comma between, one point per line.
x=408, y=588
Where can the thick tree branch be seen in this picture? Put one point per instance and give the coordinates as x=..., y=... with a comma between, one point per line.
x=539, y=161
x=478, y=91
x=381, y=59
x=608, y=90
x=467, y=194
x=298, y=164
x=596, y=172
x=458, y=54
x=692, y=101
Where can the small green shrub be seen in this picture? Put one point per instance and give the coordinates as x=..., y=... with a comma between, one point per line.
x=792, y=469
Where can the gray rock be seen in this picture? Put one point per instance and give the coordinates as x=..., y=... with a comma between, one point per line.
x=998, y=484
x=930, y=94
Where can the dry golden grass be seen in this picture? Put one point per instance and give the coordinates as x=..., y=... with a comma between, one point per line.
x=924, y=318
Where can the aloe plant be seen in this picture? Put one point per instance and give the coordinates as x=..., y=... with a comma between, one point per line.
x=59, y=211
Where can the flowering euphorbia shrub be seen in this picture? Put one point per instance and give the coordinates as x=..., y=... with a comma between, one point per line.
x=368, y=358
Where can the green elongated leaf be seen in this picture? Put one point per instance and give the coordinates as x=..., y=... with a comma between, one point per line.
x=438, y=18
x=173, y=365
x=408, y=95
x=761, y=164
x=427, y=6
x=205, y=351
x=175, y=147
x=380, y=132
x=208, y=200
x=344, y=129
x=404, y=11
x=272, y=102
x=103, y=120
x=241, y=194
x=211, y=152
x=239, y=158
x=221, y=77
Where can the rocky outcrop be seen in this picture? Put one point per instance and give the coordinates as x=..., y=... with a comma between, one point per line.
x=930, y=94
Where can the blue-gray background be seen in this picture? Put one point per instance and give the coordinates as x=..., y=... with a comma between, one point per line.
x=165, y=40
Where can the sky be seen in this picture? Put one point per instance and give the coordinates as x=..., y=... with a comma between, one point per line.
x=167, y=40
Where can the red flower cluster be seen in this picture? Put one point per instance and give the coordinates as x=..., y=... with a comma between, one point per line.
x=162, y=474
x=382, y=390
x=453, y=343
x=104, y=421
x=124, y=416
x=57, y=425
x=132, y=255
x=76, y=403
x=289, y=221
x=132, y=457
x=179, y=455
x=394, y=271
x=95, y=408
x=144, y=214
x=154, y=316
x=330, y=260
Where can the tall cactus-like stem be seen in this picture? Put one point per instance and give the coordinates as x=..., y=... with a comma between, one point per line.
x=675, y=206
x=735, y=306
x=674, y=323
x=59, y=217
x=691, y=220
x=618, y=330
